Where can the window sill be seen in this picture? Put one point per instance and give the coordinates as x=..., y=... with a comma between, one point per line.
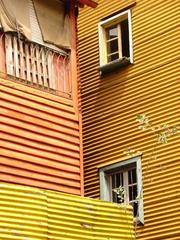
x=109, y=67
x=137, y=222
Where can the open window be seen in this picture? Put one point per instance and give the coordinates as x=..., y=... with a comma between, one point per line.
x=127, y=176
x=115, y=42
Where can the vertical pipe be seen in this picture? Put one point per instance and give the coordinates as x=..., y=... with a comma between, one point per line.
x=74, y=80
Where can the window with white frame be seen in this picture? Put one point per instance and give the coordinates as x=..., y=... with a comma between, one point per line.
x=125, y=176
x=115, y=41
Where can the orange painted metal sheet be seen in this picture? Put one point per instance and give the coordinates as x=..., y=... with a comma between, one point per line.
x=31, y=213
x=39, y=139
x=111, y=102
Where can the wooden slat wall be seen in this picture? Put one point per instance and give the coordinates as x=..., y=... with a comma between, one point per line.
x=39, y=139
x=110, y=105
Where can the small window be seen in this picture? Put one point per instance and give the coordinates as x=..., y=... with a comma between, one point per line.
x=127, y=176
x=115, y=41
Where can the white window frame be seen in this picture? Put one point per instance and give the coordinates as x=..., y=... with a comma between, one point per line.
x=105, y=189
x=102, y=38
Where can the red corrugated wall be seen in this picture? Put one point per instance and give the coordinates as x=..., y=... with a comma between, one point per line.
x=39, y=139
x=40, y=133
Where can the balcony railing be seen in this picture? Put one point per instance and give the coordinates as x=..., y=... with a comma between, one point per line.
x=36, y=65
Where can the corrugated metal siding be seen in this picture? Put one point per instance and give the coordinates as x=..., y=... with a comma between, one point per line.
x=30, y=213
x=110, y=105
x=39, y=139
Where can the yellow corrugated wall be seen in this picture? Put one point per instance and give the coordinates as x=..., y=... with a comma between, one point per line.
x=110, y=104
x=28, y=213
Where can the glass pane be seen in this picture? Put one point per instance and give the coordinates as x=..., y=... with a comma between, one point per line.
x=113, y=57
x=117, y=180
x=114, y=196
x=121, y=179
x=113, y=181
x=112, y=46
x=132, y=192
x=132, y=176
x=111, y=32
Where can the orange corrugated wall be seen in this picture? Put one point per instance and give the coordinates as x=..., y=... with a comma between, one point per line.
x=39, y=139
x=110, y=105
x=40, y=133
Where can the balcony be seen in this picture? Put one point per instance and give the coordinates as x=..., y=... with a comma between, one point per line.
x=31, y=213
x=35, y=65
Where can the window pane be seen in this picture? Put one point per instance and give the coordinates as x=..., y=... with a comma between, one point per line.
x=117, y=179
x=132, y=192
x=114, y=195
x=113, y=181
x=113, y=57
x=111, y=32
x=112, y=46
x=132, y=176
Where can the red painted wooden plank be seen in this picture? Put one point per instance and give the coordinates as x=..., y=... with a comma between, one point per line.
x=40, y=153
x=35, y=183
x=39, y=122
x=38, y=160
x=39, y=114
x=67, y=156
x=37, y=168
x=38, y=176
x=39, y=106
x=68, y=141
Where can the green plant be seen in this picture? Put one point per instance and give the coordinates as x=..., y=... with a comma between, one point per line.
x=162, y=132
x=120, y=193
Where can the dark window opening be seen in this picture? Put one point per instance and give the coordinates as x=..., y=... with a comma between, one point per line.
x=125, y=38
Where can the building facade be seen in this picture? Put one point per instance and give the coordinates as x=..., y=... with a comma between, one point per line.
x=40, y=120
x=41, y=159
x=129, y=68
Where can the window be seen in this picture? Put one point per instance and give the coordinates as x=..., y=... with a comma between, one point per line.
x=125, y=174
x=115, y=41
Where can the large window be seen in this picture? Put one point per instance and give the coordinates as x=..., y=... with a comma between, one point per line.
x=115, y=41
x=124, y=176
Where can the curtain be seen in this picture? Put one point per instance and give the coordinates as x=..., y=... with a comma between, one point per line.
x=13, y=17
x=52, y=16
x=54, y=21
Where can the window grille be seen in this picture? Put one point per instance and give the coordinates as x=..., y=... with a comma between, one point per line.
x=128, y=180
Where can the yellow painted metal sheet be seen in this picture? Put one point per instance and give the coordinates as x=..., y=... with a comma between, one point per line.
x=111, y=102
x=29, y=213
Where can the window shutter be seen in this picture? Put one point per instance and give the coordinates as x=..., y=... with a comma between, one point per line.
x=140, y=191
